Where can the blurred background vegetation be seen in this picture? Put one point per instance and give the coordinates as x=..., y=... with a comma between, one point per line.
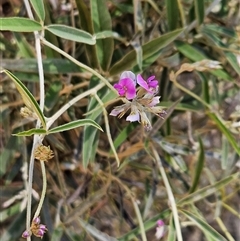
x=198, y=146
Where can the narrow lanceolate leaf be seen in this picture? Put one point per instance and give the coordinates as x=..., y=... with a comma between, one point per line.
x=38, y=6
x=74, y=124
x=199, y=167
x=106, y=34
x=28, y=98
x=71, y=33
x=222, y=127
x=172, y=13
x=199, y=10
x=86, y=24
x=217, y=41
x=207, y=191
x=101, y=20
x=205, y=227
x=31, y=132
x=17, y=24
x=151, y=47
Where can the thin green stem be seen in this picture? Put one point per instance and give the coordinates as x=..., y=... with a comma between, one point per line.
x=189, y=92
x=182, y=15
x=52, y=119
x=170, y=195
x=81, y=65
x=140, y=220
x=44, y=188
x=107, y=128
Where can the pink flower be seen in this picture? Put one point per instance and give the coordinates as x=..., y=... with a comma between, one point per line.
x=149, y=85
x=160, y=230
x=126, y=85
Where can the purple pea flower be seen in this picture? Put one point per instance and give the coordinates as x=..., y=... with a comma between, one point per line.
x=126, y=85
x=149, y=85
x=160, y=229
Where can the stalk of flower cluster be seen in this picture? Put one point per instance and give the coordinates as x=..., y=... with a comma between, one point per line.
x=37, y=138
x=44, y=188
x=170, y=195
x=107, y=128
x=53, y=118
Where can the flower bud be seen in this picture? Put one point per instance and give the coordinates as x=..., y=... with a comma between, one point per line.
x=26, y=234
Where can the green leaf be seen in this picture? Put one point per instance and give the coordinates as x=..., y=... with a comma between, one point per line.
x=150, y=223
x=205, y=227
x=14, y=230
x=31, y=132
x=101, y=20
x=9, y=212
x=207, y=191
x=25, y=49
x=171, y=230
x=57, y=233
x=172, y=13
x=123, y=135
x=221, y=30
x=199, y=10
x=151, y=47
x=7, y=154
x=74, y=124
x=222, y=127
x=38, y=6
x=71, y=33
x=199, y=167
x=52, y=95
x=195, y=55
x=50, y=66
x=86, y=24
x=28, y=98
x=215, y=40
x=17, y=24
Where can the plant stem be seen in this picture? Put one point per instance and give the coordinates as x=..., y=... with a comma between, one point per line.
x=189, y=92
x=182, y=15
x=81, y=65
x=107, y=128
x=37, y=138
x=140, y=221
x=52, y=119
x=170, y=195
x=44, y=188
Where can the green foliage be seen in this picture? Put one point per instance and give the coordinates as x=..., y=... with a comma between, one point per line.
x=191, y=154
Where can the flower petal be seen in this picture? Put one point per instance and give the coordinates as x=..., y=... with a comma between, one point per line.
x=155, y=100
x=126, y=87
x=142, y=82
x=128, y=74
x=134, y=115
